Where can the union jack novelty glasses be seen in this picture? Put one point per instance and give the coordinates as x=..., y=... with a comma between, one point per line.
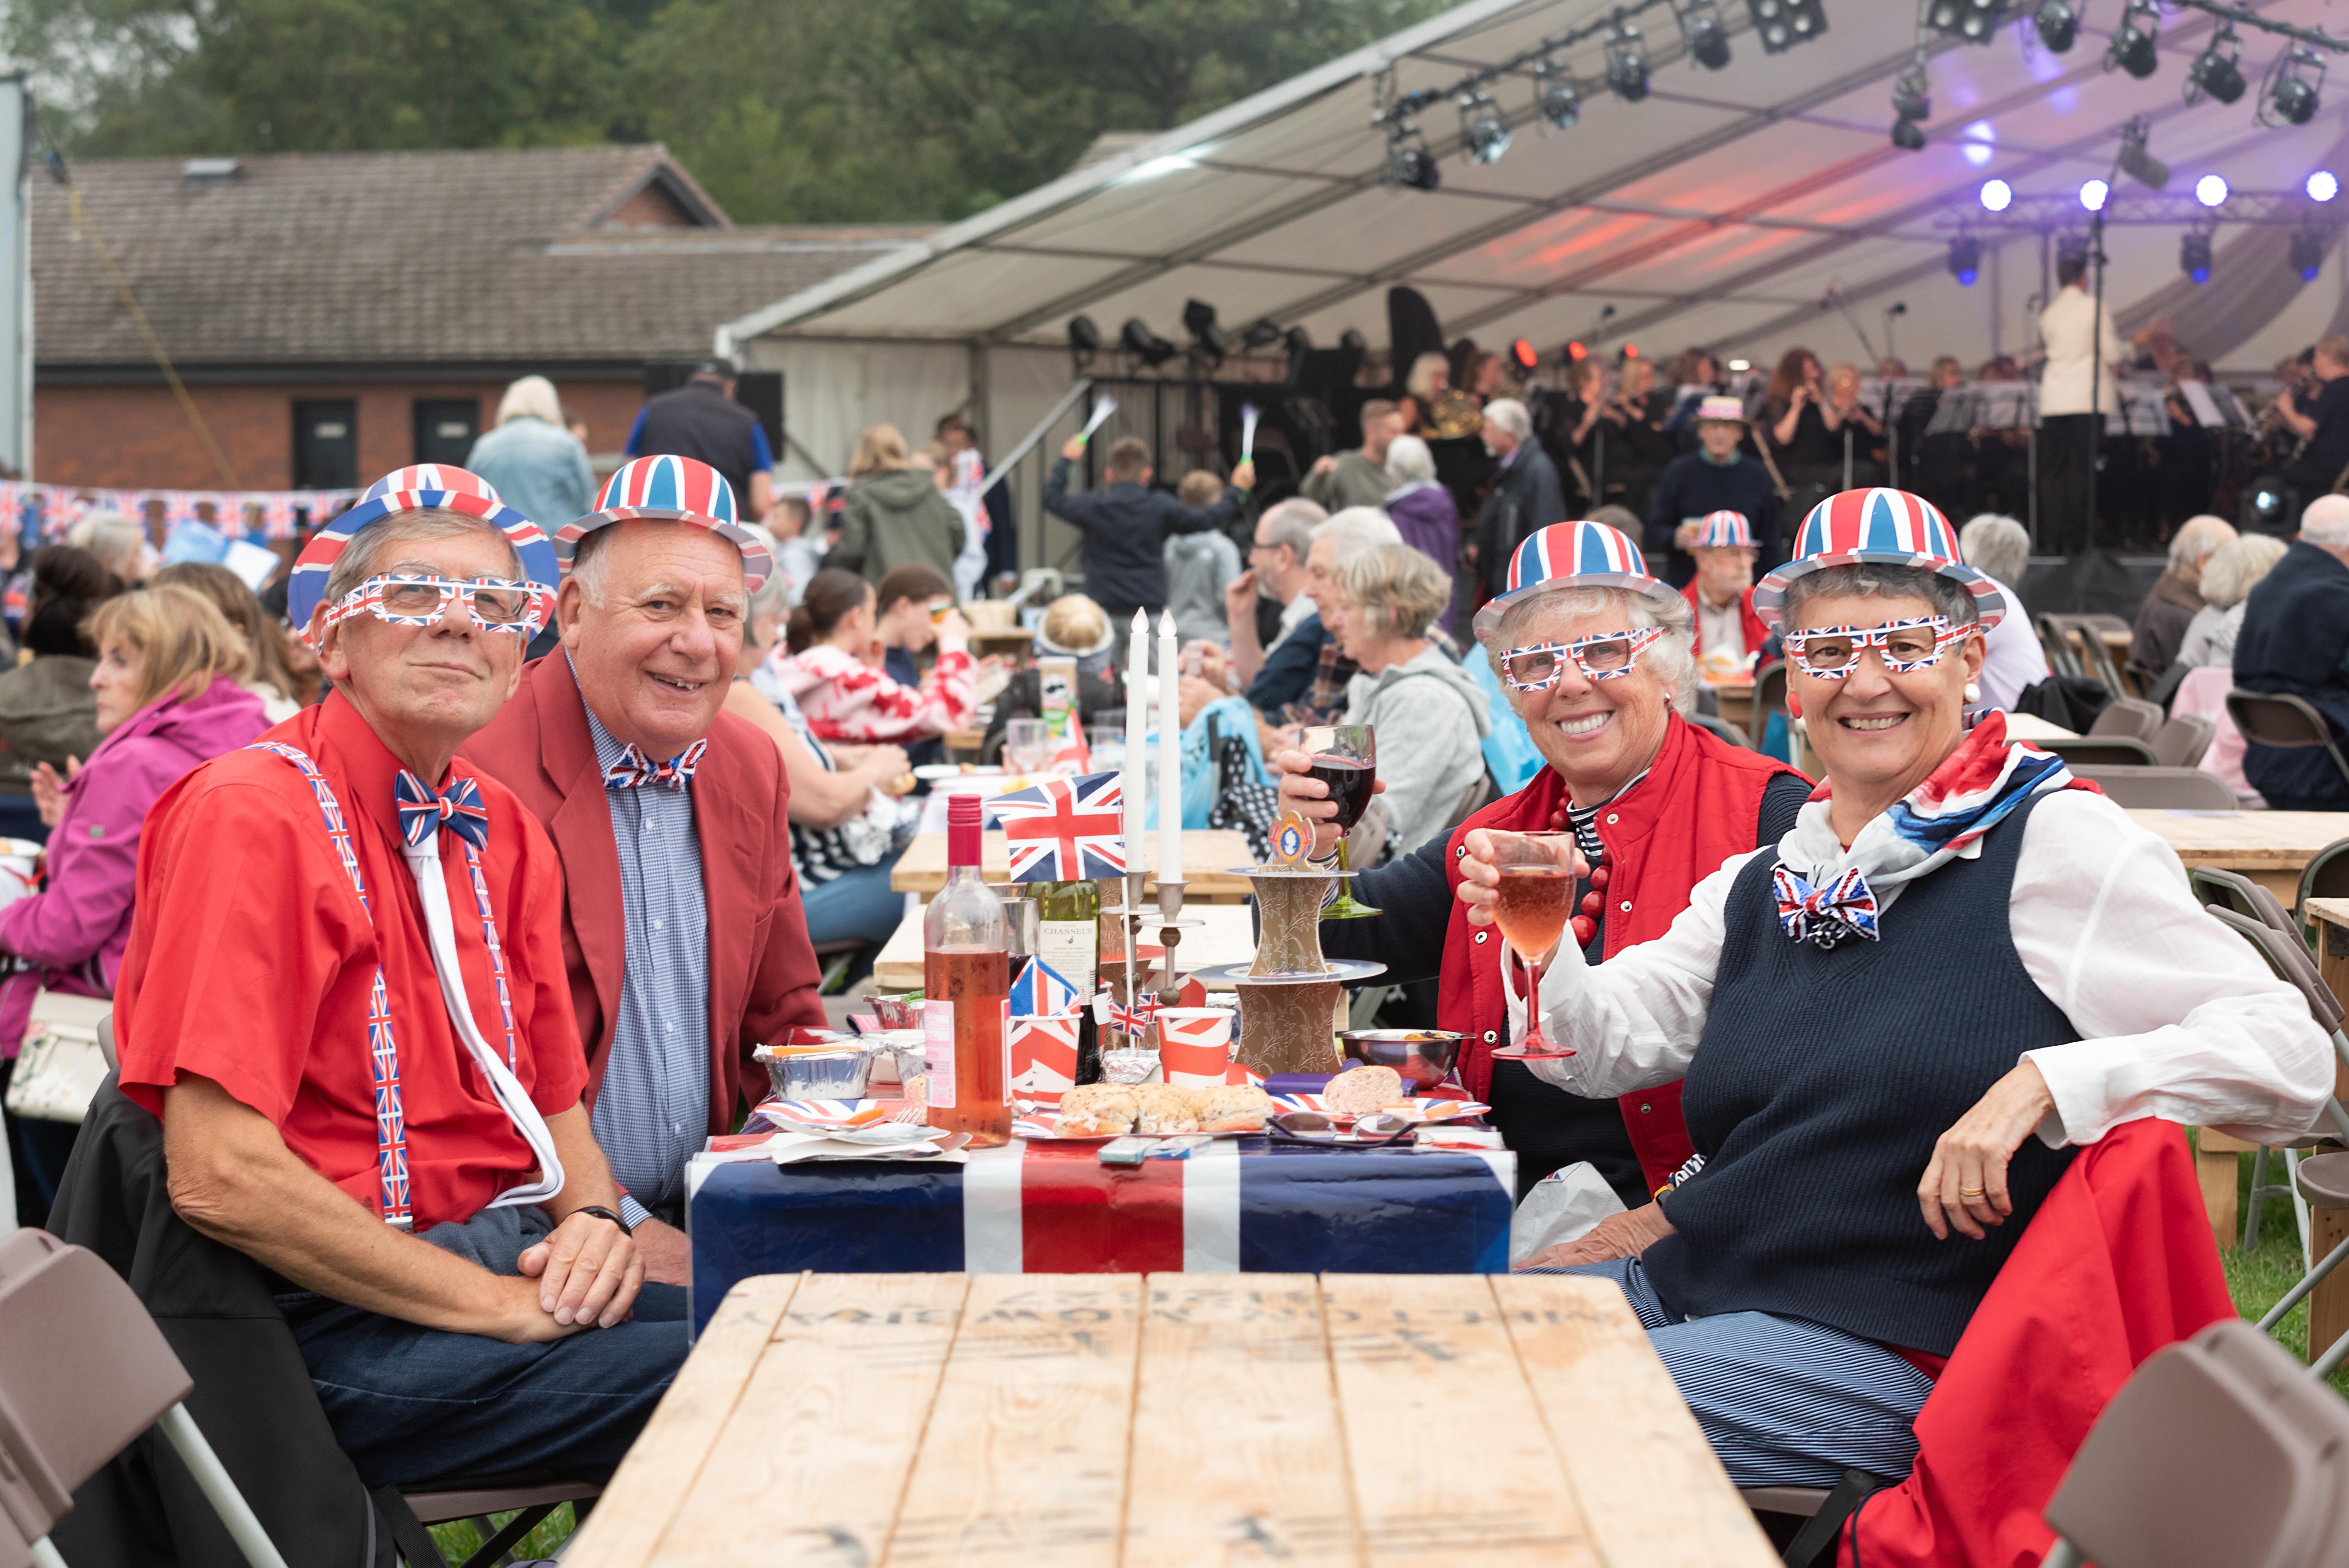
x=1903, y=645
x=1600, y=657
x=495, y=604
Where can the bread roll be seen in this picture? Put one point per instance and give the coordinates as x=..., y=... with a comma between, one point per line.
x=1358, y=1091
x=1164, y=1107
x=1096, y=1110
x=1232, y=1108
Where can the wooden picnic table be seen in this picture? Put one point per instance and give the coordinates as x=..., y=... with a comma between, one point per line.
x=1166, y=1420
x=1209, y=856
x=2269, y=847
x=1227, y=937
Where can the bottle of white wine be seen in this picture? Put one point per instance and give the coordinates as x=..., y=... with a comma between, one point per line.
x=1067, y=938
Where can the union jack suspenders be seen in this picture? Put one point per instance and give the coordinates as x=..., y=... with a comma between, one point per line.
x=383, y=1050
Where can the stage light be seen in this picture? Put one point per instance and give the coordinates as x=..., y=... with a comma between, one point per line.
x=2216, y=71
x=1630, y=351
x=1352, y=340
x=2058, y=22
x=1972, y=20
x=1481, y=130
x=2138, y=163
x=1136, y=338
x=1296, y=340
x=1912, y=93
x=1576, y=351
x=1522, y=355
x=1907, y=136
x=2194, y=255
x=1782, y=23
x=1261, y=333
x=1701, y=30
x=2093, y=194
x=2307, y=254
x=1409, y=161
x=1555, y=97
x=1627, y=62
x=1740, y=367
x=1965, y=260
x=2293, y=84
x=1083, y=336
x=2211, y=189
x=2132, y=48
x=2323, y=186
x=1207, y=337
x=1997, y=195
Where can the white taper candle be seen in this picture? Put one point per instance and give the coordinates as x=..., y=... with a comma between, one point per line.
x=1170, y=754
x=1136, y=783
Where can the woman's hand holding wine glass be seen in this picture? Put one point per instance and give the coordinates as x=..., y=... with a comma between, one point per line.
x=1524, y=884
x=1301, y=792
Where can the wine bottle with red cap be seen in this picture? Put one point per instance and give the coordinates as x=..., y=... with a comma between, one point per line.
x=966, y=987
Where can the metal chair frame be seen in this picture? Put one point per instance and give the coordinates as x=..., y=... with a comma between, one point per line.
x=2241, y=704
x=2103, y=751
x=2326, y=867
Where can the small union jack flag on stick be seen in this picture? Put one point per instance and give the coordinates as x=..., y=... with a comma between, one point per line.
x=1064, y=829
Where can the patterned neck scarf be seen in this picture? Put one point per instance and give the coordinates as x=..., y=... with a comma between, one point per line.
x=1827, y=893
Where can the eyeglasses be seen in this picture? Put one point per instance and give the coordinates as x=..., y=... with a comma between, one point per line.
x=1903, y=645
x=1600, y=657
x=495, y=604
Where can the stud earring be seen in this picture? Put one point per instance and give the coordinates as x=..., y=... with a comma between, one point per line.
x=1974, y=692
x=1794, y=705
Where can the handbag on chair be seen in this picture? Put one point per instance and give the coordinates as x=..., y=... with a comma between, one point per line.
x=63, y=1063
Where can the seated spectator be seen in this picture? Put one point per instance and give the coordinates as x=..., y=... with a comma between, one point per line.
x=2228, y=579
x=284, y=674
x=1276, y=574
x=894, y=513
x=455, y=1274
x=1728, y=632
x=119, y=543
x=2161, y=619
x=845, y=824
x=831, y=665
x=168, y=698
x=909, y=604
x=1200, y=566
x=2013, y=661
x=1422, y=510
x=797, y=556
x=2294, y=639
x=1304, y=680
x=531, y=459
x=1428, y=716
x=47, y=714
x=2028, y=951
x=1073, y=627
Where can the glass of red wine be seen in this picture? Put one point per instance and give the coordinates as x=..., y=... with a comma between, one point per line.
x=1532, y=904
x=1346, y=758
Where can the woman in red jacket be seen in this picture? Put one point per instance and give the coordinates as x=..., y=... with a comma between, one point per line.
x=1601, y=668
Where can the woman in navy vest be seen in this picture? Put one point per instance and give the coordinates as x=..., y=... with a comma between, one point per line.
x=1895, y=1023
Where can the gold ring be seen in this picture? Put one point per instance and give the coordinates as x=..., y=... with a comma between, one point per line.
x=1969, y=1191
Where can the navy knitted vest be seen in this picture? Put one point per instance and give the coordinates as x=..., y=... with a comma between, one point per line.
x=1824, y=1079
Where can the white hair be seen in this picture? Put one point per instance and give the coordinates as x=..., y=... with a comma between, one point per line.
x=1997, y=545
x=2236, y=568
x=1673, y=656
x=1511, y=416
x=532, y=397
x=2196, y=538
x=2327, y=521
x=1409, y=462
x=1355, y=530
x=1291, y=523
x=113, y=537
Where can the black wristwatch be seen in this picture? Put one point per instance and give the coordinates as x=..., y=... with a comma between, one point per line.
x=601, y=1212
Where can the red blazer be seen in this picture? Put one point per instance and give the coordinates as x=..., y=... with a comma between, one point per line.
x=762, y=972
x=1756, y=633
x=1697, y=807
x=2117, y=1263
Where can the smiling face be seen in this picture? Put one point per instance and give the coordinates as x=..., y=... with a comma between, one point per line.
x=425, y=689
x=1877, y=732
x=1599, y=735
x=657, y=640
x=120, y=672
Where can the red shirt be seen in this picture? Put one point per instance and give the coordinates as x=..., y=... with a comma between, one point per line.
x=250, y=961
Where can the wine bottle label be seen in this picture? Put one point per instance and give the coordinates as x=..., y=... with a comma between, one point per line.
x=938, y=1052
x=1068, y=946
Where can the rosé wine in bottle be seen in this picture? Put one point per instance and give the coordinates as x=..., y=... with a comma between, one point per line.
x=966, y=987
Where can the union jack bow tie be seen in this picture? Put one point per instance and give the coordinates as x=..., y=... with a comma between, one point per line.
x=423, y=809
x=635, y=768
x=1826, y=916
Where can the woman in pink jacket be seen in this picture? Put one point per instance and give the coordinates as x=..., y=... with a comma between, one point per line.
x=169, y=697
x=830, y=638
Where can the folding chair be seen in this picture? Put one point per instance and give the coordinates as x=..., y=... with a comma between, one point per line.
x=2184, y=739
x=2326, y=875
x=2130, y=717
x=2103, y=751
x=2160, y=789
x=83, y=1371
x=1724, y=728
x=1769, y=697
x=2219, y=1449
x=2284, y=721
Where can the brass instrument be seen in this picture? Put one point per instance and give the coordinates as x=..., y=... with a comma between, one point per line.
x=1455, y=414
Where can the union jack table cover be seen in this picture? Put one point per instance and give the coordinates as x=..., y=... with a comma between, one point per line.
x=1236, y=1205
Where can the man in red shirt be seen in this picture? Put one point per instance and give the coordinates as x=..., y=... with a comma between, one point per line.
x=1721, y=592
x=344, y=995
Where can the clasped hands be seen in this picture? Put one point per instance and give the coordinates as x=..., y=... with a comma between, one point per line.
x=588, y=1272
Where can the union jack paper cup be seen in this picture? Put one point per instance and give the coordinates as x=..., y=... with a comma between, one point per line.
x=1044, y=1056
x=1195, y=1046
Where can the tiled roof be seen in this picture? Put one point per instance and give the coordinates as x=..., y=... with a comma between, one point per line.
x=385, y=258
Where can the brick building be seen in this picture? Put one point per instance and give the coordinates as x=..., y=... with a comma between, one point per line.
x=337, y=315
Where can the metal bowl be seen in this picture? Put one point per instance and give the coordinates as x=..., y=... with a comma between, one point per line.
x=830, y=1072
x=1424, y=1057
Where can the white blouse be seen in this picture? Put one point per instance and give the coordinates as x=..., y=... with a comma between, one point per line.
x=2178, y=1017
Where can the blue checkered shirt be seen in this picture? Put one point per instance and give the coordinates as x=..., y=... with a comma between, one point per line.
x=654, y=1108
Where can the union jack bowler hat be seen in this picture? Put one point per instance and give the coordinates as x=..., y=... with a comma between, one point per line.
x=421, y=486
x=1886, y=527
x=1724, y=531
x=670, y=489
x=1571, y=555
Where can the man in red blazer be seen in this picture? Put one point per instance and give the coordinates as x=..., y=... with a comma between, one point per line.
x=681, y=922
x=1721, y=592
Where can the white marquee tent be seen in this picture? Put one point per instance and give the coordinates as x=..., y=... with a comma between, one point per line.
x=1721, y=210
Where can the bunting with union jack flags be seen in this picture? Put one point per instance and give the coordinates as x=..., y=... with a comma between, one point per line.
x=1064, y=829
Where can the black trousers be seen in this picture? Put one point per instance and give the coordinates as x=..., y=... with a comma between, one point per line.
x=2067, y=456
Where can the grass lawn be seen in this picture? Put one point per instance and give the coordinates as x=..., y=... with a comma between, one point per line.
x=2257, y=1279
x=460, y=1539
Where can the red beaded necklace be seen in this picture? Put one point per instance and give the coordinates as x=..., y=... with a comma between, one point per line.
x=1584, y=925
